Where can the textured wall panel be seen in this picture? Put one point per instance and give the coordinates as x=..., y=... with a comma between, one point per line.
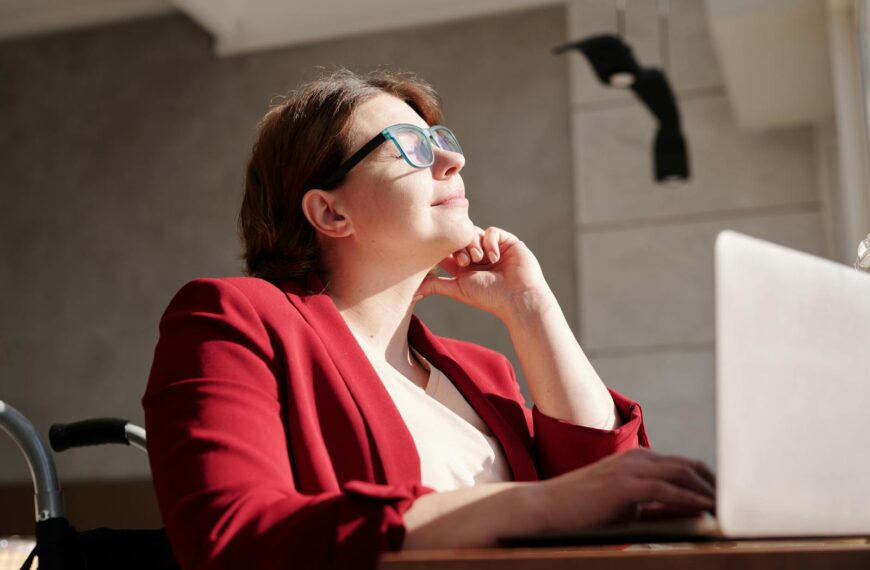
x=121, y=168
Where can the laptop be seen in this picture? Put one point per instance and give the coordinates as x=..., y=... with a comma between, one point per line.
x=792, y=403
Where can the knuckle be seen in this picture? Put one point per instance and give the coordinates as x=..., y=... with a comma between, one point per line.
x=648, y=489
x=687, y=472
x=686, y=497
x=615, y=461
x=639, y=452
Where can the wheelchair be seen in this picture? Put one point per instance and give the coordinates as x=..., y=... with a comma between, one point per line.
x=58, y=545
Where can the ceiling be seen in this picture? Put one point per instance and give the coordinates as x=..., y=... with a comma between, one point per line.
x=20, y=18
x=773, y=53
x=241, y=26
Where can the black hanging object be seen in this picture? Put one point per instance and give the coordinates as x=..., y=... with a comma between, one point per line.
x=670, y=156
x=653, y=89
x=611, y=59
x=613, y=63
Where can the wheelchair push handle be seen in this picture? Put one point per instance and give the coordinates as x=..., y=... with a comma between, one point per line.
x=49, y=497
x=98, y=431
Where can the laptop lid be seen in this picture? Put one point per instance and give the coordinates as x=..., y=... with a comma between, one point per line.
x=792, y=392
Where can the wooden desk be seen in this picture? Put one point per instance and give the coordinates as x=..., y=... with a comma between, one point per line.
x=808, y=554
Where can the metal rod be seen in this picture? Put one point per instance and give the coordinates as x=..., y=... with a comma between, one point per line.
x=136, y=436
x=49, y=497
x=863, y=13
x=664, y=16
x=620, y=18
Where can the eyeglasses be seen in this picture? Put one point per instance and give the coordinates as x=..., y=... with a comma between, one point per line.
x=413, y=142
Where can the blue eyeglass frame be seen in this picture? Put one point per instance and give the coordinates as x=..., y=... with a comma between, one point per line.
x=429, y=135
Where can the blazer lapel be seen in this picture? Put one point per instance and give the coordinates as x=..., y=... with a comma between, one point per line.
x=393, y=443
x=521, y=463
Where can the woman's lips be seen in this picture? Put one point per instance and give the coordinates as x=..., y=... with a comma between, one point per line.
x=458, y=201
x=452, y=200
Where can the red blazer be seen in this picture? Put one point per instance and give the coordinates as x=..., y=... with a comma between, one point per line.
x=274, y=444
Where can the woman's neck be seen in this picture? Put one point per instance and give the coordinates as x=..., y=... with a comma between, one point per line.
x=377, y=307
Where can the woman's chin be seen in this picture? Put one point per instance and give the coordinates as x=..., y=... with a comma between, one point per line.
x=465, y=232
x=456, y=236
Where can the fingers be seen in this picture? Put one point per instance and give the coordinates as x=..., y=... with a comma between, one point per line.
x=682, y=474
x=450, y=264
x=670, y=494
x=489, y=241
x=446, y=286
x=658, y=511
x=658, y=465
x=475, y=248
x=699, y=466
x=473, y=252
x=485, y=248
x=671, y=480
x=462, y=258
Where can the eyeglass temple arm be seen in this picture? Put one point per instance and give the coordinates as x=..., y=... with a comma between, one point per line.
x=342, y=170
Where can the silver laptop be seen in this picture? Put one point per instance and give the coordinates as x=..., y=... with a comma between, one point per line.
x=792, y=402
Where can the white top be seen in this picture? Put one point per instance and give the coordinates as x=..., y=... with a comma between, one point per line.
x=456, y=448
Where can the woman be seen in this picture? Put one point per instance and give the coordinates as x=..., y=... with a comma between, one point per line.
x=305, y=417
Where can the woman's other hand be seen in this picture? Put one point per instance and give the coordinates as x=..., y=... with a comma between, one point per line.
x=495, y=272
x=625, y=486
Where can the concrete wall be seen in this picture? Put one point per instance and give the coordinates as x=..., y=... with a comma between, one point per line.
x=644, y=251
x=122, y=160
x=121, y=167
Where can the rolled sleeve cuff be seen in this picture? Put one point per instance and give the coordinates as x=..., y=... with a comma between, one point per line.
x=371, y=517
x=562, y=446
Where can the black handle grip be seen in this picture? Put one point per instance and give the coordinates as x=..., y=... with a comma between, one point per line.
x=97, y=431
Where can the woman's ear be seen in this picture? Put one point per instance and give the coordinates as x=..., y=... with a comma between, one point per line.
x=323, y=211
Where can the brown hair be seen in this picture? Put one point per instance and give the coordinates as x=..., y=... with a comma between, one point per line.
x=300, y=142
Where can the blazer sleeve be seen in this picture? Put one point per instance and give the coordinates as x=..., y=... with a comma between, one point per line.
x=219, y=458
x=559, y=446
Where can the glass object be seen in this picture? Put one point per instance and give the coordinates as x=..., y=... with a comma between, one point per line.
x=863, y=260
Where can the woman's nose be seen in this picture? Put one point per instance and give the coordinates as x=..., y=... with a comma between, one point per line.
x=447, y=163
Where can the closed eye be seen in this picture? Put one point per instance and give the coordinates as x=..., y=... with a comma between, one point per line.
x=389, y=152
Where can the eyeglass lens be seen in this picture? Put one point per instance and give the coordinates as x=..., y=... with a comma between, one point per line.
x=415, y=146
x=418, y=148
x=446, y=139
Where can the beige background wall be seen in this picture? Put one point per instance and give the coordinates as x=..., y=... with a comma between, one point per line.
x=123, y=150
x=644, y=251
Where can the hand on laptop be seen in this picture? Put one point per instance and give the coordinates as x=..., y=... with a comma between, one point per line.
x=637, y=484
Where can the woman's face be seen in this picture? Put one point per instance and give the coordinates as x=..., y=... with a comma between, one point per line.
x=397, y=210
